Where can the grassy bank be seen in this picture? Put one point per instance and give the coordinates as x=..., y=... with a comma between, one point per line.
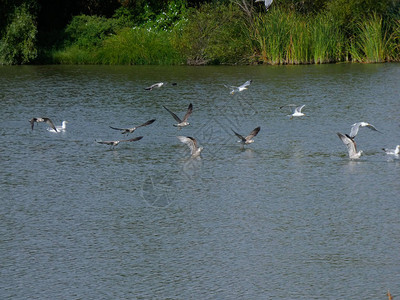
x=230, y=34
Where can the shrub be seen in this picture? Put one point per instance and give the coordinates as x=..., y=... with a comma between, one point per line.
x=213, y=34
x=88, y=31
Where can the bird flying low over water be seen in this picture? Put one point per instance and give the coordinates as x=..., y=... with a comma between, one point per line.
x=266, y=2
x=239, y=88
x=248, y=139
x=183, y=122
x=192, y=144
x=351, y=145
x=115, y=143
x=296, y=110
x=130, y=130
x=156, y=85
x=61, y=128
x=46, y=120
x=356, y=126
x=395, y=151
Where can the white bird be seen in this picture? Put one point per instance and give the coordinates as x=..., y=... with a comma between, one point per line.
x=115, y=143
x=351, y=146
x=183, y=122
x=61, y=128
x=296, y=110
x=395, y=151
x=356, y=126
x=156, y=85
x=130, y=130
x=192, y=144
x=46, y=120
x=240, y=88
x=248, y=139
x=266, y=2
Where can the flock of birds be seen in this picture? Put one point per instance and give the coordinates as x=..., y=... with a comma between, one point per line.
x=195, y=149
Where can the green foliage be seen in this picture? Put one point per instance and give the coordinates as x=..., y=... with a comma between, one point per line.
x=88, y=31
x=139, y=46
x=18, y=46
x=213, y=34
x=220, y=32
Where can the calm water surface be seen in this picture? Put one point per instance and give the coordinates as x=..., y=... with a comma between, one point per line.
x=288, y=217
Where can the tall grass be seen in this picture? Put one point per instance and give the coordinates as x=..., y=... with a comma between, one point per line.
x=373, y=44
x=289, y=38
x=327, y=40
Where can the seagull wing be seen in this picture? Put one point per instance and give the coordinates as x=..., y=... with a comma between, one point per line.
x=32, y=121
x=133, y=139
x=106, y=142
x=115, y=128
x=268, y=4
x=147, y=123
x=247, y=83
x=190, y=142
x=370, y=126
x=174, y=115
x=188, y=113
x=50, y=123
x=291, y=106
x=253, y=133
x=149, y=88
x=354, y=129
x=298, y=109
x=239, y=136
x=349, y=142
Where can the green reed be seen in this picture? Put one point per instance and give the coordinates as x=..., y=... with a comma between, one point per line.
x=327, y=40
x=373, y=43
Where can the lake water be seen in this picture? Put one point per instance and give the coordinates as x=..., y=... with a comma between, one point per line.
x=288, y=217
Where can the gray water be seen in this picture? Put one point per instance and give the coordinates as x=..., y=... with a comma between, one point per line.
x=288, y=217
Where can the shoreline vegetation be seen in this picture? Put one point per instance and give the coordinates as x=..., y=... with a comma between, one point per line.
x=182, y=32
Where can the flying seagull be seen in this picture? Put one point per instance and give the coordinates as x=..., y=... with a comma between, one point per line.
x=248, y=139
x=61, y=128
x=395, y=151
x=183, y=122
x=192, y=144
x=156, y=85
x=130, y=130
x=266, y=2
x=46, y=120
x=351, y=146
x=356, y=126
x=240, y=88
x=296, y=110
x=115, y=143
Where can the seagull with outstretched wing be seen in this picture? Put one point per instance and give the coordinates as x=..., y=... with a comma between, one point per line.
x=351, y=146
x=153, y=86
x=40, y=120
x=115, y=143
x=248, y=139
x=296, y=110
x=192, y=144
x=183, y=122
x=239, y=88
x=130, y=130
x=356, y=126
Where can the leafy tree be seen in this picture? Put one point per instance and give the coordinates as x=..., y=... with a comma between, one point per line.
x=18, y=46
